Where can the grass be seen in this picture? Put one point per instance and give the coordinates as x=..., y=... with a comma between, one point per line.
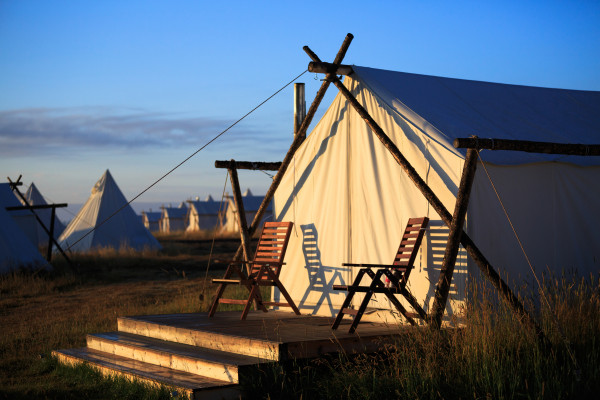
x=493, y=357
x=41, y=312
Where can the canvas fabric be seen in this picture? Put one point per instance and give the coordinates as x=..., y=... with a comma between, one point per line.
x=350, y=200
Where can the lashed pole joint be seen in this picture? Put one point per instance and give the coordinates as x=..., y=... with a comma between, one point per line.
x=488, y=271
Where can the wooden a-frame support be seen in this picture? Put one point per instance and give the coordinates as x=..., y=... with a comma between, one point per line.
x=299, y=137
x=484, y=265
x=49, y=231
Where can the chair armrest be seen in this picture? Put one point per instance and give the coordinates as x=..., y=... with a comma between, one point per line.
x=386, y=266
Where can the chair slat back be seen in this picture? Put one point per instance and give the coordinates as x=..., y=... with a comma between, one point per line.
x=410, y=243
x=272, y=245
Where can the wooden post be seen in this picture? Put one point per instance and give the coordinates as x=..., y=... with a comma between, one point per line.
x=241, y=213
x=299, y=108
x=251, y=165
x=50, y=243
x=456, y=229
x=529, y=146
x=298, y=139
x=486, y=268
x=327, y=68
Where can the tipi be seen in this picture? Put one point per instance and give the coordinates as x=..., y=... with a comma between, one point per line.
x=24, y=219
x=16, y=250
x=35, y=198
x=350, y=201
x=122, y=229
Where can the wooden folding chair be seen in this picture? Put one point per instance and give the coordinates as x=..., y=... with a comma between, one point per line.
x=264, y=271
x=396, y=276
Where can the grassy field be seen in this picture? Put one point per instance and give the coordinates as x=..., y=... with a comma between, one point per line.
x=494, y=357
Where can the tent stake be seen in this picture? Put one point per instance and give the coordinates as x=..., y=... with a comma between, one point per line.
x=456, y=228
x=298, y=139
x=488, y=271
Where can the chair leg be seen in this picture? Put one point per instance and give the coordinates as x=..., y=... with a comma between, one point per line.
x=376, y=279
x=220, y=290
x=283, y=291
x=252, y=297
x=414, y=303
x=348, y=299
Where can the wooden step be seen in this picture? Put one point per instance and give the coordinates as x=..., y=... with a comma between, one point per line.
x=195, y=386
x=193, y=335
x=182, y=357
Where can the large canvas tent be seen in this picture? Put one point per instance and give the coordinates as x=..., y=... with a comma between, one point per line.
x=16, y=250
x=123, y=229
x=35, y=198
x=350, y=200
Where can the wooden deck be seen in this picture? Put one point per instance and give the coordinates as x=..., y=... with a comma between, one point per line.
x=276, y=335
x=206, y=357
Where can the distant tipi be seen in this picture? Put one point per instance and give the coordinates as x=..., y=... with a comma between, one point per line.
x=124, y=229
x=35, y=198
x=16, y=250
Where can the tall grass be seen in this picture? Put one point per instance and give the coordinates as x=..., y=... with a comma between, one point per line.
x=494, y=356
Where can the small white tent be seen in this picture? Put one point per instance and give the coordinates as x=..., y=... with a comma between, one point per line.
x=122, y=229
x=16, y=250
x=350, y=200
x=174, y=219
x=251, y=205
x=205, y=215
x=35, y=198
x=151, y=220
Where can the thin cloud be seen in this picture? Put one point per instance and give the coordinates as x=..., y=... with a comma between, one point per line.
x=61, y=130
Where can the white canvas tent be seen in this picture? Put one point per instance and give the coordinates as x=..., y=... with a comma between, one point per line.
x=123, y=229
x=35, y=198
x=350, y=200
x=151, y=220
x=174, y=219
x=205, y=215
x=16, y=250
x=24, y=219
x=251, y=206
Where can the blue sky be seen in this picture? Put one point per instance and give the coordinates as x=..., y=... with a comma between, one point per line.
x=137, y=86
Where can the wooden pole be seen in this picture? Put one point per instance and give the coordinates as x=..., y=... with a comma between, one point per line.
x=327, y=68
x=299, y=107
x=456, y=229
x=298, y=139
x=263, y=166
x=52, y=217
x=486, y=268
x=241, y=213
x=528, y=146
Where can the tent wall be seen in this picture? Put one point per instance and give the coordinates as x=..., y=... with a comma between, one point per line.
x=551, y=206
x=350, y=202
